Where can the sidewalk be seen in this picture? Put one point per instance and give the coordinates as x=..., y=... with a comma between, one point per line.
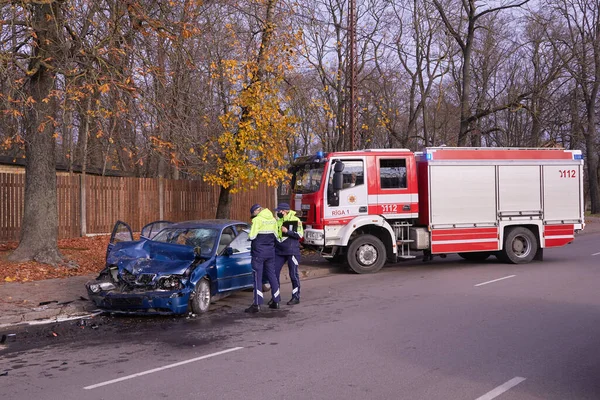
x=57, y=299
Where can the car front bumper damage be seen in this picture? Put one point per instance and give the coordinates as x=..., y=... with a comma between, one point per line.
x=138, y=302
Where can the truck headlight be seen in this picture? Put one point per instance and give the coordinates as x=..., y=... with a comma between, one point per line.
x=314, y=235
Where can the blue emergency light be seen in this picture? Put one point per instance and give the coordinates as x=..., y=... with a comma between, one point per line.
x=429, y=156
x=320, y=154
x=577, y=156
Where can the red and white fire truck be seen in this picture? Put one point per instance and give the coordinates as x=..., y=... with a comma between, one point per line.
x=373, y=206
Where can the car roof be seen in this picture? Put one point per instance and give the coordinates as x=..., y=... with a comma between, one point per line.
x=207, y=223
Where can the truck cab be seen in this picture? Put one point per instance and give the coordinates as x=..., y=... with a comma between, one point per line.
x=346, y=194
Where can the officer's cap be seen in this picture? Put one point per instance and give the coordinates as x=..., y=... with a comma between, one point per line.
x=254, y=208
x=282, y=207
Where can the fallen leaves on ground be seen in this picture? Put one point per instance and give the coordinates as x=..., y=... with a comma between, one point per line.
x=88, y=253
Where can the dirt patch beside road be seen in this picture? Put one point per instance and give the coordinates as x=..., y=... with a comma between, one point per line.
x=87, y=253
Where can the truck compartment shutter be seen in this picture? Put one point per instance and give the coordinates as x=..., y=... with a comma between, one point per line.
x=462, y=194
x=561, y=189
x=519, y=190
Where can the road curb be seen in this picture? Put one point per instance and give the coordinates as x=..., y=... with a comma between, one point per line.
x=308, y=272
x=51, y=314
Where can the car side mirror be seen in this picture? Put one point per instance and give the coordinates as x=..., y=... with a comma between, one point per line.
x=228, y=251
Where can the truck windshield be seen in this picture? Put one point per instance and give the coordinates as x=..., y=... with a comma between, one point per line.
x=308, y=178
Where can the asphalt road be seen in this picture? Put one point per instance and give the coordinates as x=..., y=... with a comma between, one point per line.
x=413, y=331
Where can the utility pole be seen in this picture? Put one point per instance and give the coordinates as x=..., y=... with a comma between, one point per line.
x=350, y=133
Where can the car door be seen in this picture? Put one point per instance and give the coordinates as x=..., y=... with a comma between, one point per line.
x=151, y=229
x=234, y=268
x=121, y=233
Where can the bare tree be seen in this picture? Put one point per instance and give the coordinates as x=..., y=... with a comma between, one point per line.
x=579, y=43
x=469, y=11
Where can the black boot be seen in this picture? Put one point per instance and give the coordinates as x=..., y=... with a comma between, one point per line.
x=270, y=302
x=274, y=306
x=294, y=300
x=254, y=308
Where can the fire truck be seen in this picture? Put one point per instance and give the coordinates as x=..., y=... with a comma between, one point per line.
x=375, y=206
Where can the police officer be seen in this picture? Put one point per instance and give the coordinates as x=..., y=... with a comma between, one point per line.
x=287, y=249
x=263, y=235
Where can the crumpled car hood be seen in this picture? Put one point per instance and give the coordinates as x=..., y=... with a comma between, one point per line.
x=146, y=256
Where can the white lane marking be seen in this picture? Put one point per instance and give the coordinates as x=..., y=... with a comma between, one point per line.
x=495, y=280
x=124, y=378
x=501, y=389
x=596, y=254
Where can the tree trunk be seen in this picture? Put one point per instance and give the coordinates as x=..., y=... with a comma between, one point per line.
x=465, y=106
x=224, y=206
x=84, y=159
x=39, y=231
x=592, y=159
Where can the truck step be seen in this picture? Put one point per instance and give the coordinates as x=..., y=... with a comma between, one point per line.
x=407, y=257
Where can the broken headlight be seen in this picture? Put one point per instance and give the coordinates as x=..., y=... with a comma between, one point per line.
x=170, y=282
x=97, y=287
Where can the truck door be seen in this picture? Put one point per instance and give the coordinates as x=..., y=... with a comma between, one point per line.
x=396, y=188
x=352, y=199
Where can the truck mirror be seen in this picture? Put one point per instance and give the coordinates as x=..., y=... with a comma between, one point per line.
x=338, y=166
x=338, y=181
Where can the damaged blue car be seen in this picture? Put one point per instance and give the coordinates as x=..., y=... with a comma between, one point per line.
x=174, y=268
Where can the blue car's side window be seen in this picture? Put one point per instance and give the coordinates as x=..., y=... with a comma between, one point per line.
x=226, y=239
x=240, y=244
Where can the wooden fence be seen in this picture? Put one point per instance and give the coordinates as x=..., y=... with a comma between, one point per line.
x=133, y=200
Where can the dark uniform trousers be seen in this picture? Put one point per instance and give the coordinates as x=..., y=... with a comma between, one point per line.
x=292, y=262
x=266, y=266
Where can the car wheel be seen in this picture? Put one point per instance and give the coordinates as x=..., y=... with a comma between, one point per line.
x=476, y=257
x=366, y=254
x=202, y=297
x=520, y=246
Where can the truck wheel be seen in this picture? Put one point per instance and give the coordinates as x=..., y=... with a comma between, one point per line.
x=520, y=246
x=366, y=254
x=477, y=256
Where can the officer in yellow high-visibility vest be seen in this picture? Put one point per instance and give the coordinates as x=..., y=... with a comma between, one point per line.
x=287, y=248
x=263, y=235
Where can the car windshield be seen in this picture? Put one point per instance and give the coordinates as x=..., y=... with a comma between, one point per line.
x=204, y=238
x=308, y=178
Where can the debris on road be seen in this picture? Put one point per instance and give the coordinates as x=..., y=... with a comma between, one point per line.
x=10, y=337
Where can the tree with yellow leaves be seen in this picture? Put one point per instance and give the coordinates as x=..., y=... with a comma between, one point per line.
x=251, y=147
